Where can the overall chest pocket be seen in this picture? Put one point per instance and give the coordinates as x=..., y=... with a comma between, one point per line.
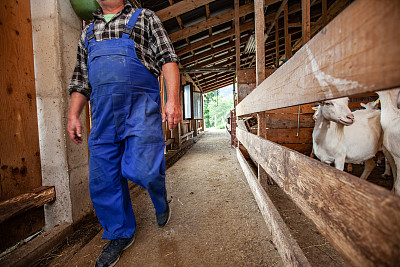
x=109, y=66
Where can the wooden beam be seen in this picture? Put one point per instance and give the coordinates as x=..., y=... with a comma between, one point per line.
x=276, y=45
x=213, y=51
x=220, y=36
x=180, y=8
x=214, y=21
x=324, y=12
x=260, y=42
x=287, y=247
x=22, y=203
x=220, y=80
x=288, y=41
x=360, y=219
x=315, y=75
x=237, y=35
x=305, y=20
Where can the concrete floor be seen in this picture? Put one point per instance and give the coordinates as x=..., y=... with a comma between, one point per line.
x=215, y=219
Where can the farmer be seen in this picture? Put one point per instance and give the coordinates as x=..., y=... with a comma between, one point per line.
x=120, y=55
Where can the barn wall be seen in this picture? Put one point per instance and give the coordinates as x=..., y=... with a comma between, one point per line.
x=56, y=30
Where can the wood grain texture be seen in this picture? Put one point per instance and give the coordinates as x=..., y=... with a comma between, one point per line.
x=290, y=136
x=20, y=169
x=360, y=219
x=22, y=203
x=259, y=39
x=341, y=68
x=289, y=121
x=286, y=245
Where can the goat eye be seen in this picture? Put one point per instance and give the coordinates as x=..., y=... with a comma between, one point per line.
x=328, y=103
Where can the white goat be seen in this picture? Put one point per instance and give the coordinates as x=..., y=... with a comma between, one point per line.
x=356, y=143
x=390, y=121
x=372, y=106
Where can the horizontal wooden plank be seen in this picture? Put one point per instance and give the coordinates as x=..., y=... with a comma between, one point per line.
x=288, y=249
x=289, y=121
x=360, y=219
x=340, y=68
x=19, y=204
x=290, y=136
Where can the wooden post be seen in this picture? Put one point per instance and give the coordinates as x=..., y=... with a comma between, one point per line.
x=276, y=44
x=237, y=35
x=305, y=20
x=259, y=36
x=263, y=177
x=288, y=37
x=324, y=12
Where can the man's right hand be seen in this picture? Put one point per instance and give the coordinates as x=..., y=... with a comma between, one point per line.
x=75, y=129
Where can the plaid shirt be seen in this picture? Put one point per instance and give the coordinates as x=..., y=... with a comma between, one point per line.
x=152, y=44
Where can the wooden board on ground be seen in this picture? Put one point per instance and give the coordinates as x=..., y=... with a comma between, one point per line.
x=287, y=246
x=360, y=219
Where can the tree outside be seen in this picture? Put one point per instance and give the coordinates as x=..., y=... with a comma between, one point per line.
x=216, y=107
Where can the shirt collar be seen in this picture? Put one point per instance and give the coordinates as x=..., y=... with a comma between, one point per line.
x=98, y=14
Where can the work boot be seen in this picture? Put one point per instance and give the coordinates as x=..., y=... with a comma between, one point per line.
x=163, y=218
x=112, y=250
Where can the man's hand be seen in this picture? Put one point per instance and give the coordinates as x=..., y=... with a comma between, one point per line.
x=75, y=129
x=172, y=112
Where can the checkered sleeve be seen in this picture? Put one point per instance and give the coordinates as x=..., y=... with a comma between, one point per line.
x=160, y=43
x=80, y=81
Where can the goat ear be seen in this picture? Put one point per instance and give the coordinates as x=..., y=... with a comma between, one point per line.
x=315, y=108
x=363, y=105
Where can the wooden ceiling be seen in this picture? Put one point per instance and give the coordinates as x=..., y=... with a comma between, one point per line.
x=203, y=33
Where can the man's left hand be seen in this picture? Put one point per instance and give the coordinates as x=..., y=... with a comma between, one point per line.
x=172, y=112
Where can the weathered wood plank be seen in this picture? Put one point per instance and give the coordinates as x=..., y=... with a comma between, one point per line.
x=305, y=21
x=341, y=68
x=22, y=203
x=360, y=219
x=290, y=136
x=288, y=121
x=237, y=35
x=286, y=245
x=260, y=42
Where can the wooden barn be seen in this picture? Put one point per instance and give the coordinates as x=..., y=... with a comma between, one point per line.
x=282, y=58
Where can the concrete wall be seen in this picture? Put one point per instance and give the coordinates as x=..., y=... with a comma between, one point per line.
x=56, y=30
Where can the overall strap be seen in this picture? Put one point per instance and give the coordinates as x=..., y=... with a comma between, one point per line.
x=131, y=23
x=89, y=35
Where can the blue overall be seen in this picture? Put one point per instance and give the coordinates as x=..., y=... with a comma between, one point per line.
x=126, y=139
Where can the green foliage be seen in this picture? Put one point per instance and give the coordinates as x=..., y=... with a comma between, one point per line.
x=215, y=109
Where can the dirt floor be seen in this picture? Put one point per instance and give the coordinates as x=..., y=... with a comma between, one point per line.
x=215, y=219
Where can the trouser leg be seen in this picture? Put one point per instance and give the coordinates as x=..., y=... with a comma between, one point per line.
x=144, y=164
x=109, y=191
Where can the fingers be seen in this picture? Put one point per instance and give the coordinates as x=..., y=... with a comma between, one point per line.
x=163, y=116
x=75, y=131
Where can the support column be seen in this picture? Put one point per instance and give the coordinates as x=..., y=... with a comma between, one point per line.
x=260, y=43
x=288, y=37
x=237, y=35
x=56, y=30
x=305, y=19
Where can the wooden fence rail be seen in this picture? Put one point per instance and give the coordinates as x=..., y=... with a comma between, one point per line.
x=356, y=53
